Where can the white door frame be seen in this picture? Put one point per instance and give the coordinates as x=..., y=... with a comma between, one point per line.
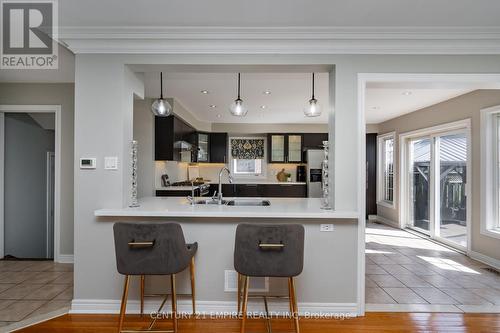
x=461, y=126
x=56, y=109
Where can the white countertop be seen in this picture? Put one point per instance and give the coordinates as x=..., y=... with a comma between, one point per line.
x=179, y=207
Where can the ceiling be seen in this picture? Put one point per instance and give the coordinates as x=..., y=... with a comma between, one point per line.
x=388, y=100
x=383, y=104
x=306, y=13
x=289, y=94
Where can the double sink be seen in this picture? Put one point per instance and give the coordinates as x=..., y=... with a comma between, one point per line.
x=236, y=202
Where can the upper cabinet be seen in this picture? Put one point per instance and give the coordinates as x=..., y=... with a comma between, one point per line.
x=285, y=148
x=202, y=147
x=174, y=139
x=218, y=148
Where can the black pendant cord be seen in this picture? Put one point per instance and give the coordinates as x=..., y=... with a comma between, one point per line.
x=239, y=86
x=313, y=87
x=161, y=85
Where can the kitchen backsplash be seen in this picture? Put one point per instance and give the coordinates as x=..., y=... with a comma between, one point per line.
x=177, y=171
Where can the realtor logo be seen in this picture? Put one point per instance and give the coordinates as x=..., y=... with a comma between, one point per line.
x=29, y=34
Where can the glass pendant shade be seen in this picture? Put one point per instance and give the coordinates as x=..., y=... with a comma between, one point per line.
x=160, y=106
x=312, y=109
x=237, y=108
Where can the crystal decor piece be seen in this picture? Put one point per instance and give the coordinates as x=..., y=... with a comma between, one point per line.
x=325, y=184
x=133, y=191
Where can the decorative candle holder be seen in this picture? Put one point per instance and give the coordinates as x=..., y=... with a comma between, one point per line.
x=325, y=183
x=133, y=192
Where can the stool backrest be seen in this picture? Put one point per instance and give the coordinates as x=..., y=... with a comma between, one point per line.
x=274, y=250
x=150, y=248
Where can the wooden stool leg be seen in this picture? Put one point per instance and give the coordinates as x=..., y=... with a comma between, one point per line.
x=246, y=282
x=295, y=307
x=174, y=302
x=142, y=294
x=239, y=293
x=290, y=299
x=193, y=287
x=123, y=306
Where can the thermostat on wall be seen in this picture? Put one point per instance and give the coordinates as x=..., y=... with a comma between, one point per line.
x=88, y=163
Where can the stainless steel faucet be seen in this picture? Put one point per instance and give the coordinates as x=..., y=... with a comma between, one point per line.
x=219, y=195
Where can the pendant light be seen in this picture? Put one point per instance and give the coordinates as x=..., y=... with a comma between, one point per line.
x=160, y=106
x=237, y=108
x=312, y=109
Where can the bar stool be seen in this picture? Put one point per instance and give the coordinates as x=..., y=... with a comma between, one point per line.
x=268, y=250
x=152, y=248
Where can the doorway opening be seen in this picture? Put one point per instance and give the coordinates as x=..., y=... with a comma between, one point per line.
x=417, y=250
x=29, y=182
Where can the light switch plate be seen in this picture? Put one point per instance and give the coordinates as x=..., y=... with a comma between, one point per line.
x=111, y=163
x=326, y=227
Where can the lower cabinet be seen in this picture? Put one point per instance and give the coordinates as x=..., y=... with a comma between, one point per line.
x=176, y=193
x=262, y=190
x=284, y=190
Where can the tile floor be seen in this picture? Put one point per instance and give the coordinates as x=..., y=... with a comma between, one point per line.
x=32, y=288
x=405, y=272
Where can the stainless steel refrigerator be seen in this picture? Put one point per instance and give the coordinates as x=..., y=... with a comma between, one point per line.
x=314, y=164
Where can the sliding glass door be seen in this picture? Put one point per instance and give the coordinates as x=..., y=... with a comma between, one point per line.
x=437, y=178
x=420, y=184
x=451, y=220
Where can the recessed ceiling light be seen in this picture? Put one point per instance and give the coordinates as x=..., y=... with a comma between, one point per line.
x=219, y=116
x=407, y=93
x=262, y=106
x=267, y=92
x=204, y=92
x=212, y=106
x=375, y=107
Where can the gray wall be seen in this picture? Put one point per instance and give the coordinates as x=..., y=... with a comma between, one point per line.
x=26, y=147
x=103, y=107
x=53, y=94
x=458, y=108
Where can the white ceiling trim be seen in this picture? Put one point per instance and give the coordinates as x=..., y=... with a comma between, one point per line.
x=285, y=40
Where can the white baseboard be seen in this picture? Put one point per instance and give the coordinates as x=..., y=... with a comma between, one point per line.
x=495, y=263
x=103, y=306
x=66, y=259
x=388, y=222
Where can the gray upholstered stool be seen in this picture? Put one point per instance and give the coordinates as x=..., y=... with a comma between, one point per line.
x=152, y=248
x=268, y=250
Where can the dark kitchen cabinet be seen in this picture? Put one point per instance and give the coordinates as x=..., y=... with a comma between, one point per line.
x=248, y=190
x=262, y=190
x=173, y=138
x=285, y=148
x=218, y=147
x=202, y=149
x=176, y=193
x=228, y=190
x=284, y=190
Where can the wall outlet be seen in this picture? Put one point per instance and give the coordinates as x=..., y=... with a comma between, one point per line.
x=326, y=227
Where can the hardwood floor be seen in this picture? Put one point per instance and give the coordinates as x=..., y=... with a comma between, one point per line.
x=372, y=322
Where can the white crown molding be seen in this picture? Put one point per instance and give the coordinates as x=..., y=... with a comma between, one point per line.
x=284, y=40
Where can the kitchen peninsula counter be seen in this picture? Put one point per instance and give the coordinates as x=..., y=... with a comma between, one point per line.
x=287, y=208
